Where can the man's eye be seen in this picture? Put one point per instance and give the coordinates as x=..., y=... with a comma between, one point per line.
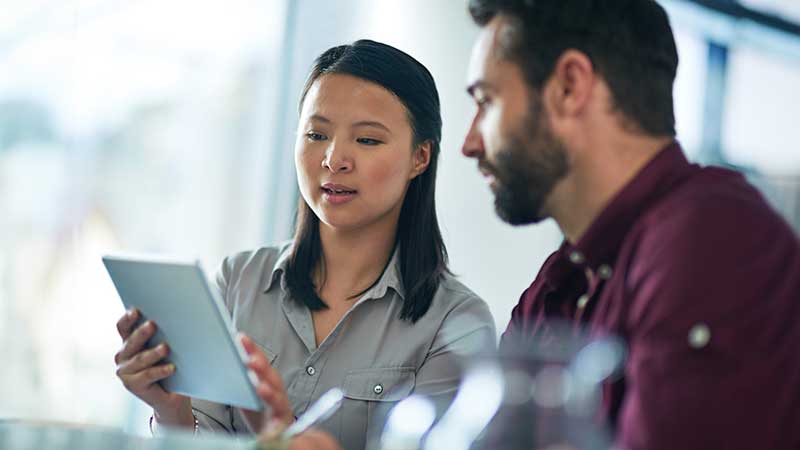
x=482, y=101
x=312, y=136
x=368, y=141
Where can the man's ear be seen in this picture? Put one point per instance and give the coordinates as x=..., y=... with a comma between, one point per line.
x=422, y=158
x=570, y=86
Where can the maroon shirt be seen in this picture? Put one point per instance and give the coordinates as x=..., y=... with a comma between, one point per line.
x=701, y=278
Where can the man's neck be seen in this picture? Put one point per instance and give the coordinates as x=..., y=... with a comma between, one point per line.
x=353, y=259
x=597, y=175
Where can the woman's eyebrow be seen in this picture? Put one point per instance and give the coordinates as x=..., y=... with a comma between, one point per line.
x=319, y=118
x=372, y=123
x=360, y=123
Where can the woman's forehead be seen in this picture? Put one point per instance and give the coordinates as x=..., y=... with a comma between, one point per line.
x=346, y=98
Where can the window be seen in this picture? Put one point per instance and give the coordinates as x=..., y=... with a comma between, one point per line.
x=133, y=126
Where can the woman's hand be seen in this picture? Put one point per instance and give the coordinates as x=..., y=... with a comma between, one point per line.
x=139, y=370
x=278, y=413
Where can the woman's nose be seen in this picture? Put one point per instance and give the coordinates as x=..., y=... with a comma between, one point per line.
x=337, y=160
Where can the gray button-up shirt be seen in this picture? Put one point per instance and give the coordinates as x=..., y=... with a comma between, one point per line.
x=376, y=358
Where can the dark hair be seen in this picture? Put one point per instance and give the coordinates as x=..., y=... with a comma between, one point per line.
x=629, y=42
x=423, y=256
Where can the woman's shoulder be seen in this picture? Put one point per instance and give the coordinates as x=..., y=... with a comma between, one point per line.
x=255, y=262
x=453, y=290
x=465, y=321
x=453, y=295
x=262, y=256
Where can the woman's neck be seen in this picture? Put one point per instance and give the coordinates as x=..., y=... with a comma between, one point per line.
x=353, y=259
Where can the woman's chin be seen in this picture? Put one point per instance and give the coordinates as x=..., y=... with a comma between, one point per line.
x=341, y=222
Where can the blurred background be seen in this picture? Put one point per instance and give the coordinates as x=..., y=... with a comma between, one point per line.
x=168, y=126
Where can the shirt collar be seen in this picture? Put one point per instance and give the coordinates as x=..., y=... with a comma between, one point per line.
x=391, y=277
x=279, y=268
x=598, y=248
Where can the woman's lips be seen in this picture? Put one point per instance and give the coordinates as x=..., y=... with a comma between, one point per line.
x=337, y=194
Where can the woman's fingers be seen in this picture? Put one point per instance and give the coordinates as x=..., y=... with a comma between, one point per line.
x=266, y=373
x=136, y=341
x=139, y=369
x=277, y=400
x=143, y=360
x=141, y=380
x=249, y=346
x=125, y=323
x=270, y=388
x=260, y=364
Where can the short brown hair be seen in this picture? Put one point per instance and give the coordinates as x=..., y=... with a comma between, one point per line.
x=629, y=42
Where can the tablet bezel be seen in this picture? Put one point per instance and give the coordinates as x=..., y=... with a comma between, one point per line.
x=126, y=269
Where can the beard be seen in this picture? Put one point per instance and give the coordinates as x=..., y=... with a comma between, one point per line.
x=527, y=168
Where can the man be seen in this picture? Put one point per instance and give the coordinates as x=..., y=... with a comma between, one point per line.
x=689, y=265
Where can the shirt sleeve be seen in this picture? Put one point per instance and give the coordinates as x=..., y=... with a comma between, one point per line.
x=514, y=329
x=527, y=316
x=212, y=417
x=703, y=369
x=221, y=279
x=467, y=330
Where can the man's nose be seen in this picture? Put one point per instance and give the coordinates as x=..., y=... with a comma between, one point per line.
x=473, y=143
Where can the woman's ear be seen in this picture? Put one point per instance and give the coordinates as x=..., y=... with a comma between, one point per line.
x=421, y=158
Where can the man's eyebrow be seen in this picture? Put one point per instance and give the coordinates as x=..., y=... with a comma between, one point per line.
x=480, y=84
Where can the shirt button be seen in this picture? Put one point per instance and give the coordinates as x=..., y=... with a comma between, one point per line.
x=699, y=335
x=605, y=271
x=310, y=370
x=378, y=389
x=583, y=300
x=576, y=257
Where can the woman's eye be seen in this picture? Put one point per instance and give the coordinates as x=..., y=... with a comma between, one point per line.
x=312, y=136
x=368, y=141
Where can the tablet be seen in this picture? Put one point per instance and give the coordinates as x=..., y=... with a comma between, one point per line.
x=192, y=319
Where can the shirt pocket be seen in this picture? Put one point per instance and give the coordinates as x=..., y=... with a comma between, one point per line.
x=369, y=395
x=271, y=355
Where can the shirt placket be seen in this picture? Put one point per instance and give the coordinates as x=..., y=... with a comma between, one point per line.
x=303, y=387
x=596, y=282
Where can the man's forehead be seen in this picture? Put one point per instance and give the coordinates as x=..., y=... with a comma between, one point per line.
x=485, y=51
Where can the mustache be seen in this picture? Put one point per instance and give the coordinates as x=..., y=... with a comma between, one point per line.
x=486, y=168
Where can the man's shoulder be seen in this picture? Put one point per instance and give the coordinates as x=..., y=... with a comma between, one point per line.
x=712, y=242
x=711, y=204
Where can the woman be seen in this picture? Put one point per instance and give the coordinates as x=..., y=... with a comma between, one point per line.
x=361, y=298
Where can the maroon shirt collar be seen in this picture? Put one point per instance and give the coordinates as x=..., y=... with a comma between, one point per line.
x=601, y=242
